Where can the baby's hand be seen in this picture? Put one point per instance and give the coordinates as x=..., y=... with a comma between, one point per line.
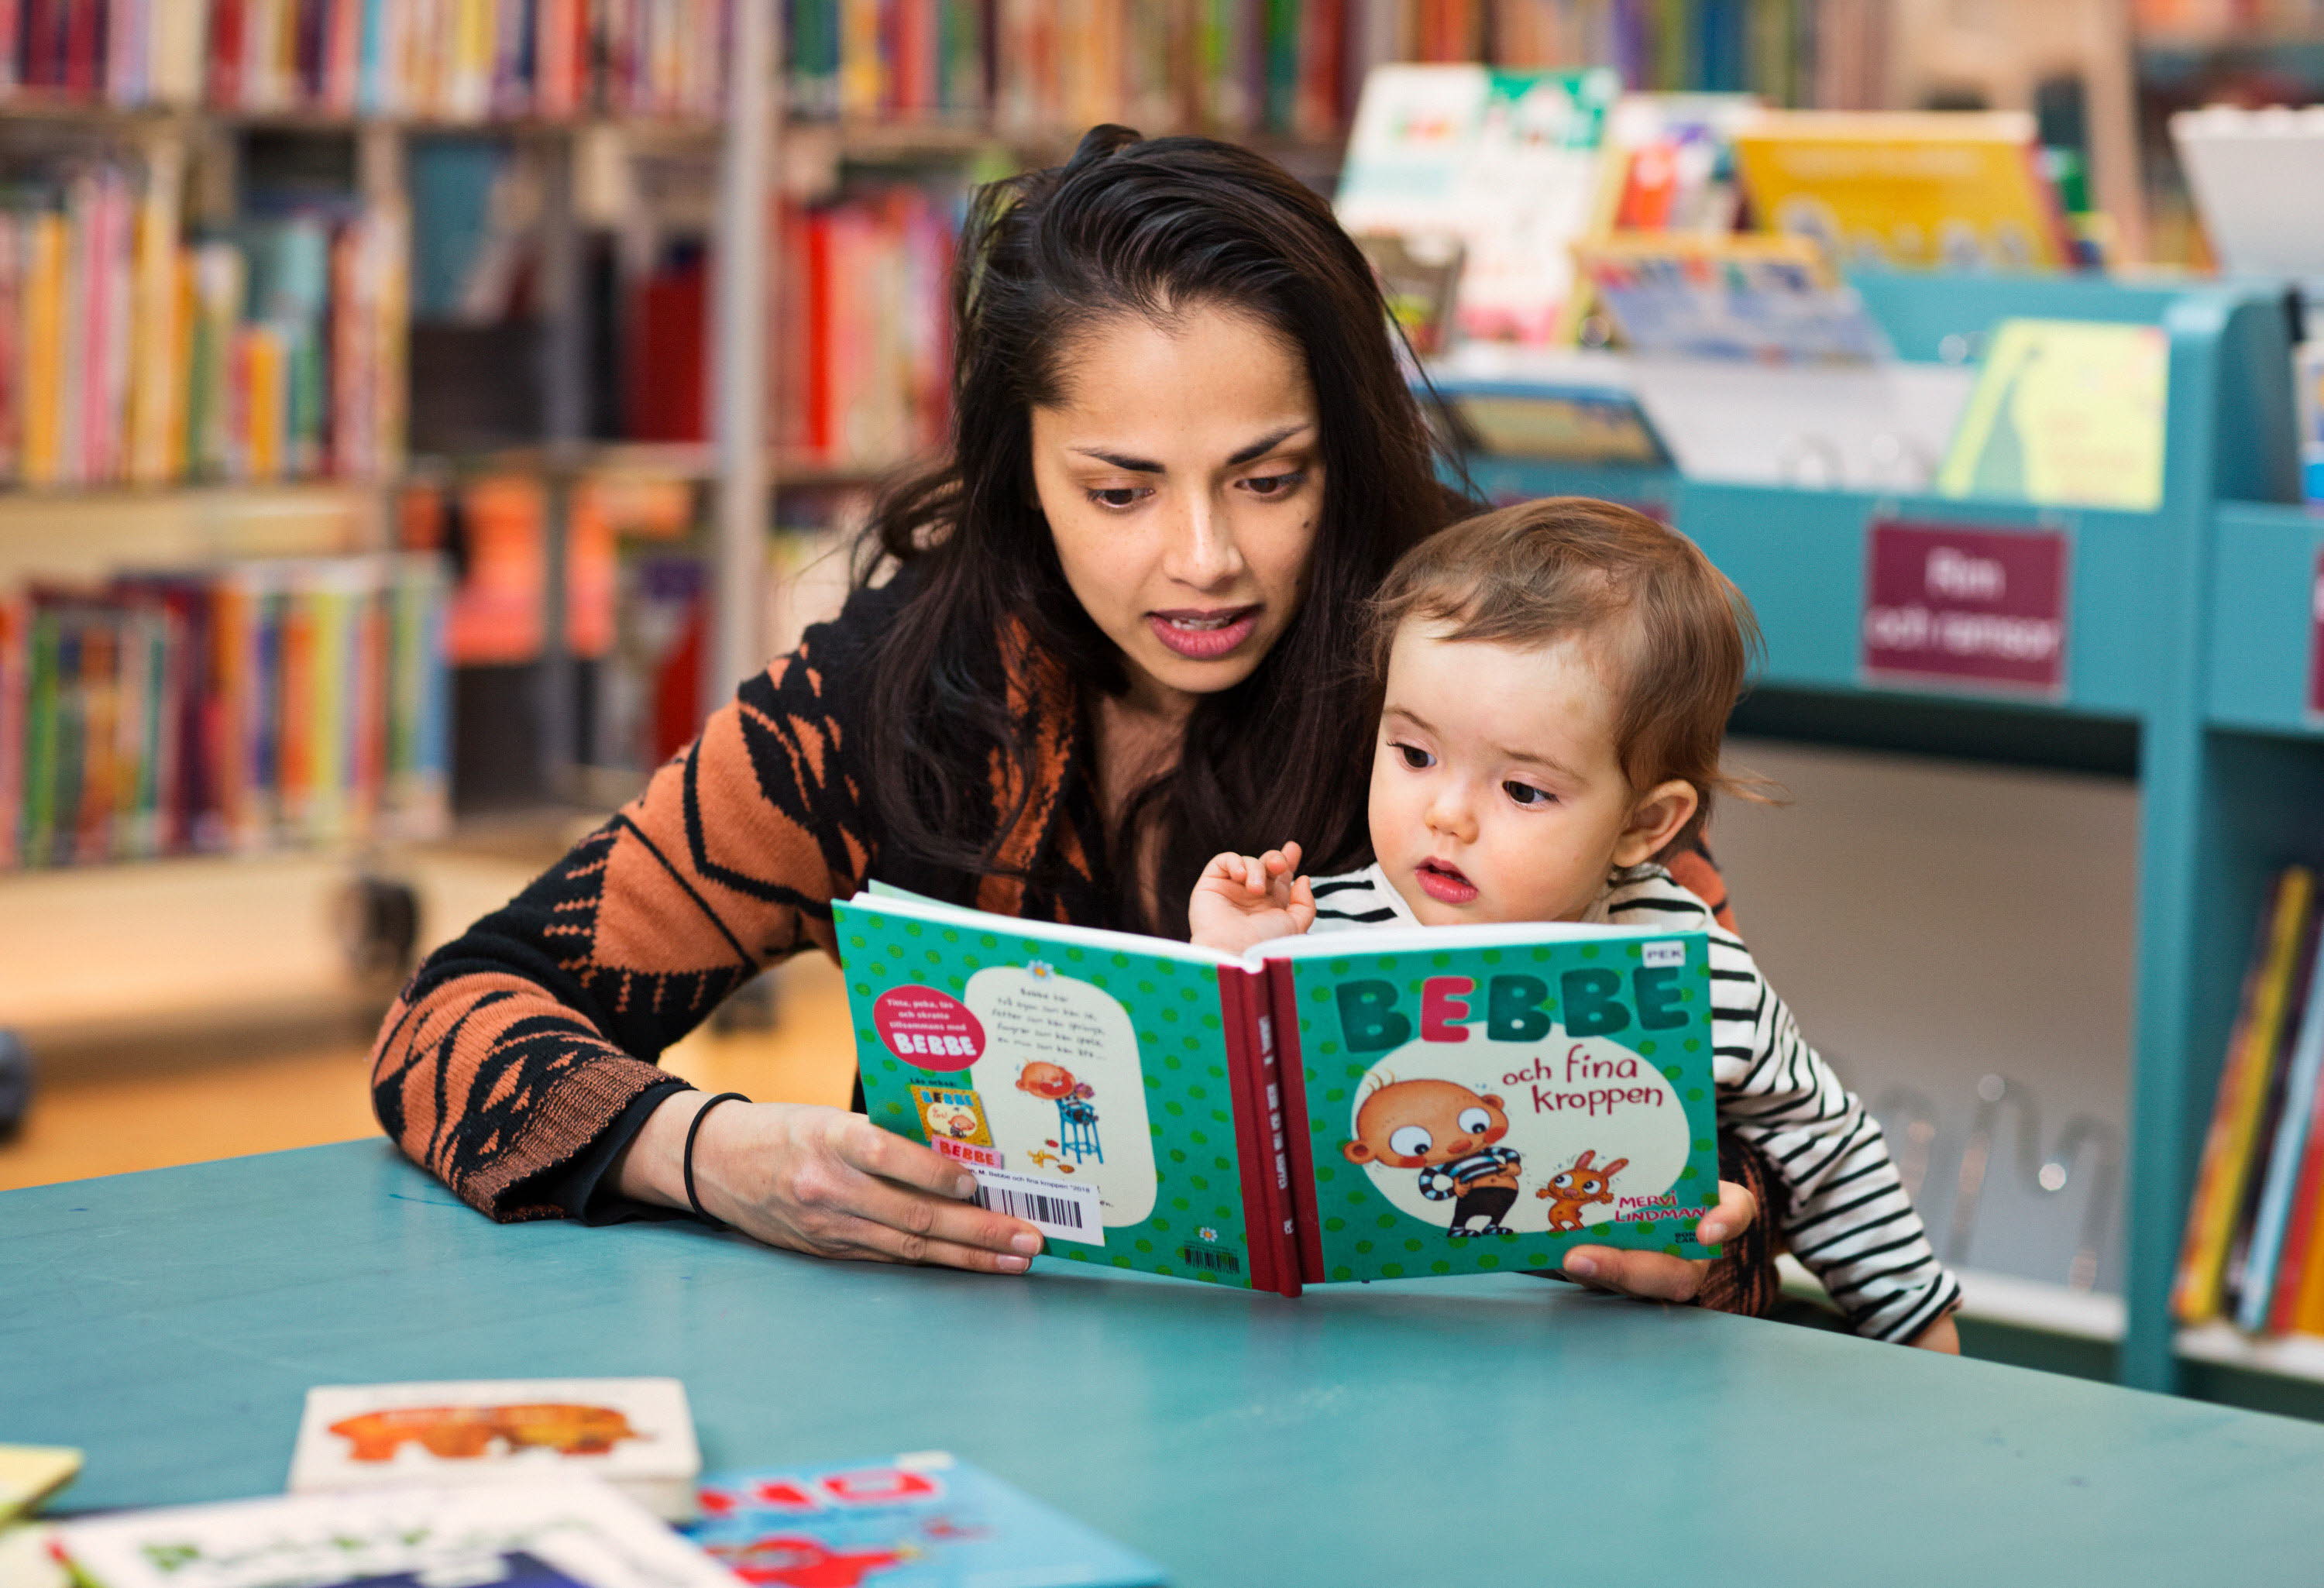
x=1243, y=900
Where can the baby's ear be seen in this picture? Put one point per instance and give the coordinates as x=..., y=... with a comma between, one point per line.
x=1357, y=1152
x=1656, y=818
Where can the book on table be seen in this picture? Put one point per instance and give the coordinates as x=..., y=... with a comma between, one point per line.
x=564, y=1532
x=635, y=1433
x=1375, y=1105
x=922, y=1520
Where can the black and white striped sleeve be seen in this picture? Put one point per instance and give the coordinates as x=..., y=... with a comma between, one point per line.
x=1850, y=1220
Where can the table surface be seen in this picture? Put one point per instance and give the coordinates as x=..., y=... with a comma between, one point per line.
x=1495, y=1429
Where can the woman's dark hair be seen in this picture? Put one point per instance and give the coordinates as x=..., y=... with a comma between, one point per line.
x=1142, y=227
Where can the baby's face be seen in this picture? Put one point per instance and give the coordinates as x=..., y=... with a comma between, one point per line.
x=1498, y=791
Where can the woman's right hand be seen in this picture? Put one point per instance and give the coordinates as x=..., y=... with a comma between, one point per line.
x=825, y=1181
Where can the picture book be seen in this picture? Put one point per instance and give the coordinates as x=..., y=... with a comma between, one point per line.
x=2236, y=1117
x=569, y=1532
x=924, y=1520
x=1381, y=1106
x=2285, y=1149
x=2065, y=412
x=28, y=1557
x=1509, y=164
x=1764, y=300
x=30, y=1473
x=635, y=1433
x=1562, y=420
x=1960, y=189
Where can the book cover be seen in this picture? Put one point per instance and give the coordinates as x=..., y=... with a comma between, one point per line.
x=2064, y=413
x=1959, y=190
x=923, y=1521
x=1761, y=299
x=573, y=1532
x=2307, y=386
x=2272, y=1225
x=2197, y=1296
x=30, y=1473
x=1512, y=165
x=1260, y=1120
x=635, y=1433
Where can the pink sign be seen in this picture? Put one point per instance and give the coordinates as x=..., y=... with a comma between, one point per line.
x=1966, y=607
x=2316, y=641
x=933, y=1030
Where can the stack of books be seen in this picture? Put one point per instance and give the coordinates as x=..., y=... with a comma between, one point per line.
x=129, y=354
x=2254, y=1252
x=863, y=346
x=573, y=1484
x=259, y=706
x=457, y=60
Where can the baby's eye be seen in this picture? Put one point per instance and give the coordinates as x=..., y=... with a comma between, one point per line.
x=1526, y=794
x=1475, y=1122
x=1117, y=495
x=1414, y=757
x=1282, y=485
x=1411, y=1141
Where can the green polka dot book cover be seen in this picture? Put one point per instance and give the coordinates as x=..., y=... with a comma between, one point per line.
x=1449, y=1101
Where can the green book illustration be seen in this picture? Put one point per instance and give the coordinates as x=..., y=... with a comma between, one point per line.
x=1357, y=1106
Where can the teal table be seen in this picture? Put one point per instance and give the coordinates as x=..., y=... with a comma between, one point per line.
x=1501, y=1430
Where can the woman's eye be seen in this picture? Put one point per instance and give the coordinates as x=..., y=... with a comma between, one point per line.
x=1526, y=794
x=1283, y=485
x=1475, y=1122
x=1414, y=757
x=1411, y=1141
x=1117, y=495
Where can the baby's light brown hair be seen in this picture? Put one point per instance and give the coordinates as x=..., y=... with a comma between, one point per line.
x=1679, y=634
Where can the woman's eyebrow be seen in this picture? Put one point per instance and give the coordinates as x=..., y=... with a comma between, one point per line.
x=1266, y=444
x=1242, y=455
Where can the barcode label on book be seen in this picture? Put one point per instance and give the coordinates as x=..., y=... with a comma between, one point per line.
x=1205, y=1257
x=1055, y=1207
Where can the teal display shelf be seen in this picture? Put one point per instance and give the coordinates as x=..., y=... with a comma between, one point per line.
x=2187, y=626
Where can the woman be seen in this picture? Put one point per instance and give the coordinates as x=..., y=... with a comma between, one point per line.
x=1183, y=456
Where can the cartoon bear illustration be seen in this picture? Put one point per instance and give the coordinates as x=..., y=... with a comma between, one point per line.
x=1447, y=1132
x=1572, y=1190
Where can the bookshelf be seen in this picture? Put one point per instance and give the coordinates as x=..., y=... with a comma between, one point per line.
x=2189, y=633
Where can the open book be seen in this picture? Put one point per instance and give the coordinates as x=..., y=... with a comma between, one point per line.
x=1386, y=1104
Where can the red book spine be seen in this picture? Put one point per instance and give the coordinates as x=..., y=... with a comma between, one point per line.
x=85, y=48
x=821, y=437
x=226, y=54
x=2299, y=1235
x=1251, y=1126
x=1309, y=1233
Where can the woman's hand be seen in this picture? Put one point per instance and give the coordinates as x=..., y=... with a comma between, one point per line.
x=825, y=1181
x=1657, y=1276
x=1241, y=899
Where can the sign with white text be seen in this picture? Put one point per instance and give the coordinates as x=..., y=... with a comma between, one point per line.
x=1962, y=607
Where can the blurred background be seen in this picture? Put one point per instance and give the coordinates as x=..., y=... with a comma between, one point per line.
x=415, y=414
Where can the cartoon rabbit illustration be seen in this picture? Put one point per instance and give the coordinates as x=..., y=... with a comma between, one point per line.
x=1573, y=1189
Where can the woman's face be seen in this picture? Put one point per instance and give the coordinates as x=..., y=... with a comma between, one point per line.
x=1181, y=477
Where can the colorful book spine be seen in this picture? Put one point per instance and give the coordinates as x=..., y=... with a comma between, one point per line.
x=263, y=706
x=2286, y=1152
x=129, y=354
x=2244, y=1083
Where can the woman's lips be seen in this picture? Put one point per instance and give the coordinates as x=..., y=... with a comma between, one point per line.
x=1205, y=635
x=1444, y=883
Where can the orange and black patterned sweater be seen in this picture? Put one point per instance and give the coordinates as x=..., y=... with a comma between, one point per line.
x=519, y=1058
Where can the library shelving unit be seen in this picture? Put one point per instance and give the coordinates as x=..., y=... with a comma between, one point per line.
x=2190, y=634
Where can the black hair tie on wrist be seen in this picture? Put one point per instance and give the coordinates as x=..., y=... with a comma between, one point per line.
x=692, y=1130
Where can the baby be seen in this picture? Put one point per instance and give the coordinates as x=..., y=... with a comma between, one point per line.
x=1555, y=680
